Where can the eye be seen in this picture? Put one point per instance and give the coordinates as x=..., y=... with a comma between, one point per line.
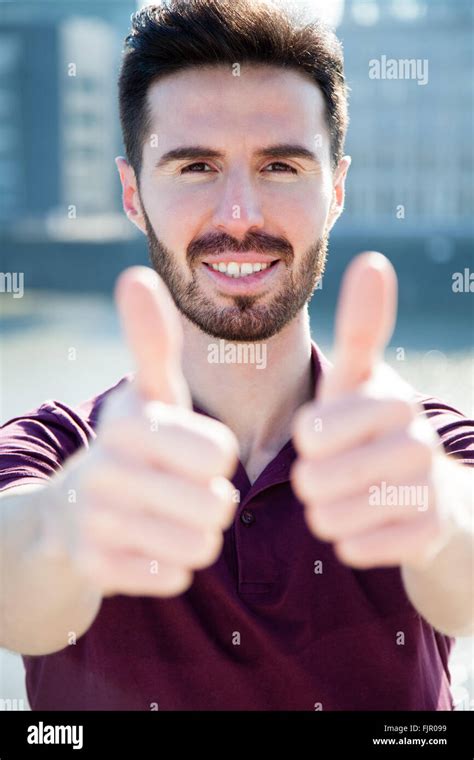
x=190, y=168
x=286, y=167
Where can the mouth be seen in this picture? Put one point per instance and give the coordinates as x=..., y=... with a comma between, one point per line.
x=241, y=276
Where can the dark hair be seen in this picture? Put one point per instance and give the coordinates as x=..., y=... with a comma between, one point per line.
x=178, y=34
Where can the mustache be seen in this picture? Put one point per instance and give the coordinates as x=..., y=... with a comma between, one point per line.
x=255, y=241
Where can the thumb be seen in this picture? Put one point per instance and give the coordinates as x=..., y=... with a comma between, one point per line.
x=365, y=319
x=154, y=336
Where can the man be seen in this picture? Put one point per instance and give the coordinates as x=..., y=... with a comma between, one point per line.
x=212, y=535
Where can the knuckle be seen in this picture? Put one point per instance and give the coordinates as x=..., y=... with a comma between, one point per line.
x=324, y=524
x=304, y=427
x=208, y=549
x=222, y=500
x=300, y=477
x=224, y=449
x=319, y=523
x=217, y=453
x=217, y=457
x=344, y=553
x=176, y=582
x=216, y=543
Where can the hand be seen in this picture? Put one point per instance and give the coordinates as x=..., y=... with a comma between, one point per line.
x=370, y=471
x=151, y=495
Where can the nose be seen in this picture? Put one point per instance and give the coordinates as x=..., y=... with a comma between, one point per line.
x=239, y=209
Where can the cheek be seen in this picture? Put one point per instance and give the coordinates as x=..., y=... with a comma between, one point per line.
x=174, y=216
x=304, y=215
x=183, y=219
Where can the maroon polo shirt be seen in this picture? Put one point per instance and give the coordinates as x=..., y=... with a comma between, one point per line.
x=277, y=623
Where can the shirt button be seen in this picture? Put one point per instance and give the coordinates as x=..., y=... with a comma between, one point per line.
x=247, y=517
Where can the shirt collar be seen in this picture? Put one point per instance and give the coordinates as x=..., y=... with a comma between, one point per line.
x=278, y=470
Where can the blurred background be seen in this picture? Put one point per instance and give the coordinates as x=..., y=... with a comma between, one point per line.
x=410, y=195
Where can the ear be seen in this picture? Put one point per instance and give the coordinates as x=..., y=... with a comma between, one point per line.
x=338, y=191
x=130, y=196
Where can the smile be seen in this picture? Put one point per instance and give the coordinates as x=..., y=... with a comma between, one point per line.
x=234, y=269
x=233, y=277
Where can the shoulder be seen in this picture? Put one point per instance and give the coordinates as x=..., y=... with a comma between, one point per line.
x=90, y=409
x=36, y=444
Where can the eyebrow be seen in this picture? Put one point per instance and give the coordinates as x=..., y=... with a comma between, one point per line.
x=282, y=150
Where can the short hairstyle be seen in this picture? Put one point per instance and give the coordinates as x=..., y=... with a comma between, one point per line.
x=178, y=34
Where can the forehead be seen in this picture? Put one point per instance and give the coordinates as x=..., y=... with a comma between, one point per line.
x=263, y=101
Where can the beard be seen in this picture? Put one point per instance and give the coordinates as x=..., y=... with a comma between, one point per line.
x=245, y=319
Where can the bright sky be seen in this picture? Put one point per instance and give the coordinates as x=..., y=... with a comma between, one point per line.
x=329, y=10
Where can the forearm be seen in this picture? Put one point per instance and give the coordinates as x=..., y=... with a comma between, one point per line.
x=443, y=592
x=44, y=602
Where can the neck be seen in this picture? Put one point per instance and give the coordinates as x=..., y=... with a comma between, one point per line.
x=256, y=400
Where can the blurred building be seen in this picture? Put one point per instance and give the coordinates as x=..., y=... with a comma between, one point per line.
x=411, y=143
x=87, y=113
x=59, y=119
x=410, y=185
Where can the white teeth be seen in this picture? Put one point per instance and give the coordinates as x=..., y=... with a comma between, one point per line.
x=233, y=269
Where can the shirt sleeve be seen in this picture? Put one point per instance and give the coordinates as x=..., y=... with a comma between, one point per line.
x=37, y=444
x=33, y=447
x=455, y=430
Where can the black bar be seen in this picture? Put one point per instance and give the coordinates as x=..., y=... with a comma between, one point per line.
x=212, y=734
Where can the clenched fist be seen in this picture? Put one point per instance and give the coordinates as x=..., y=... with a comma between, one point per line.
x=370, y=471
x=152, y=497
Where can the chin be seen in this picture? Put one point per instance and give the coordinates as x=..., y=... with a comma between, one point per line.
x=234, y=324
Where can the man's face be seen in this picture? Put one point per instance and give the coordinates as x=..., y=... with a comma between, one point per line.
x=239, y=236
